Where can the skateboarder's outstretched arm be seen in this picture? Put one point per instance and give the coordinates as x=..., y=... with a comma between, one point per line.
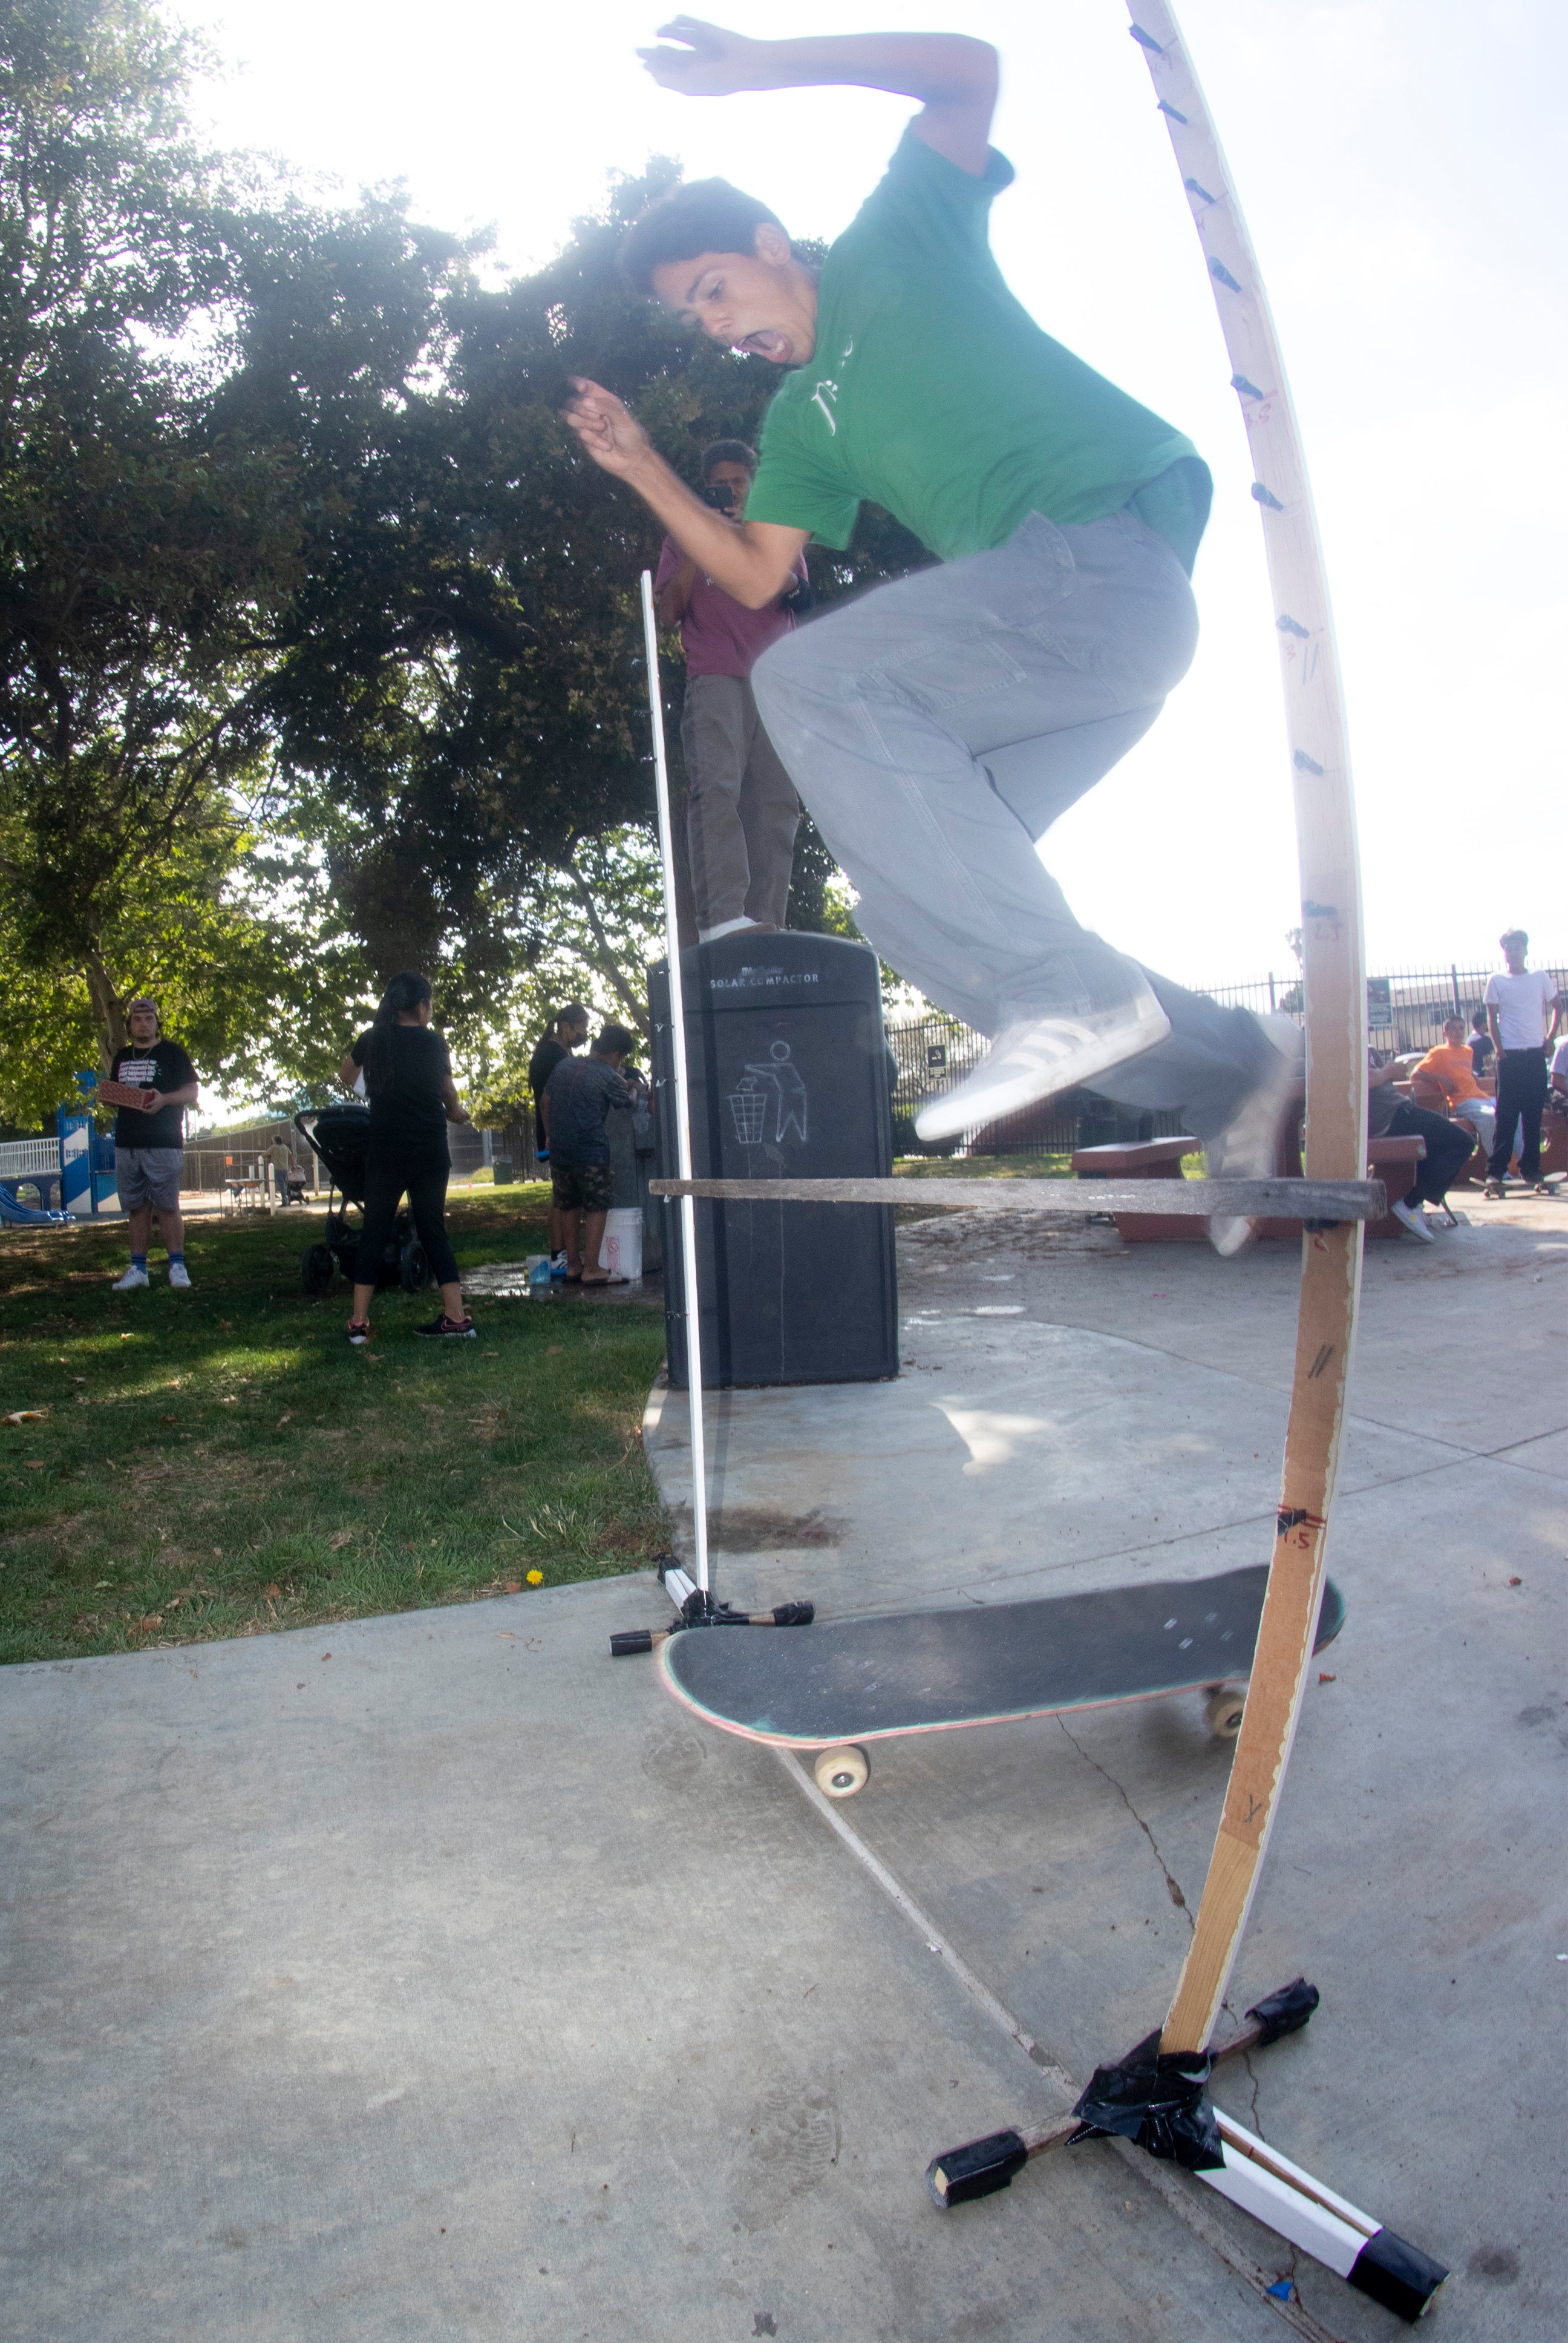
x=764, y=300
x=953, y=76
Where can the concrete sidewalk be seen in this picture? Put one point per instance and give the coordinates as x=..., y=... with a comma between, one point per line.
x=436, y=1977
x=1073, y=1413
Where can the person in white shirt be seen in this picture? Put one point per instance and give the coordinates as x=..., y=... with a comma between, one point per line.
x=1524, y=1011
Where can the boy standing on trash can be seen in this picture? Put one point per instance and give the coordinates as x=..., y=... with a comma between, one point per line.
x=937, y=726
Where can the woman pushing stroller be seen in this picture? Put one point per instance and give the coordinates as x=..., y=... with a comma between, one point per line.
x=408, y=1073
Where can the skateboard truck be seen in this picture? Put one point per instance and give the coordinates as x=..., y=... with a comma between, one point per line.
x=696, y=1607
x=1159, y=2100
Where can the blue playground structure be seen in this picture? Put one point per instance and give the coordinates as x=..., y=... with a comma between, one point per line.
x=24, y=1215
x=77, y=1165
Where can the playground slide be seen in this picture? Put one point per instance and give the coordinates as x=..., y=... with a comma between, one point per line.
x=25, y=1215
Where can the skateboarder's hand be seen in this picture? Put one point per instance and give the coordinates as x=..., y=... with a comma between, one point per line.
x=608, y=430
x=709, y=62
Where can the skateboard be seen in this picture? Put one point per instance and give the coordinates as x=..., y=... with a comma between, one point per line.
x=845, y=1682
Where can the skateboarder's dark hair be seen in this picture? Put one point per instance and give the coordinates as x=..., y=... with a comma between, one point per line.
x=703, y=216
x=613, y=1042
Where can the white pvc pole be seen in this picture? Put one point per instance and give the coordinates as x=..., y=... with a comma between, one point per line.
x=682, y=1118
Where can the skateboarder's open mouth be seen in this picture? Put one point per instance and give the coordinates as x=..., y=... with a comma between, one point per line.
x=767, y=342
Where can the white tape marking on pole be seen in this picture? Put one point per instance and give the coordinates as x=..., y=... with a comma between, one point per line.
x=682, y=1122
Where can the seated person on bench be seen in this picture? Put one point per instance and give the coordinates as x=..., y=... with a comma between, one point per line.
x=1449, y=1065
x=1448, y=1147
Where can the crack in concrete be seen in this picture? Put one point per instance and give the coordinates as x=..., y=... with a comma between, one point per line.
x=1253, y=2079
x=1174, y=1889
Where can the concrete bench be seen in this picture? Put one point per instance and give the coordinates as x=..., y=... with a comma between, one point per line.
x=1160, y=1159
x=1147, y=1159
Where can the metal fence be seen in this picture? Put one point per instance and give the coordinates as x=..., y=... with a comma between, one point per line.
x=1406, y=1009
x=18, y=1157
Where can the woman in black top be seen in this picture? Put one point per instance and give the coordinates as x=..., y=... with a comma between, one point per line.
x=408, y=1081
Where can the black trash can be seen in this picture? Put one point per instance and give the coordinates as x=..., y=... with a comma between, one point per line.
x=789, y=1073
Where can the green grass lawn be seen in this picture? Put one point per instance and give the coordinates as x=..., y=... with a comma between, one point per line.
x=1051, y=1166
x=221, y=1463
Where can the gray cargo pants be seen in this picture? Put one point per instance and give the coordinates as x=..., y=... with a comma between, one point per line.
x=742, y=812
x=937, y=726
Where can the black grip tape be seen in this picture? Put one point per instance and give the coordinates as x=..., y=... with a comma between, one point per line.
x=978, y=2169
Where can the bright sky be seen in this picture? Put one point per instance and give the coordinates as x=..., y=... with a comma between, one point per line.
x=1399, y=170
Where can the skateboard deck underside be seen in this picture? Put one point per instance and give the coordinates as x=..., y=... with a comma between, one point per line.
x=930, y=1671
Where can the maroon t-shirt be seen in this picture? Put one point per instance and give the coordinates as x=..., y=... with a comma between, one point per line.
x=720, y=635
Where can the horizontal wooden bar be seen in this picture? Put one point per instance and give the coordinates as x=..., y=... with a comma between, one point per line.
x=1274, y=1200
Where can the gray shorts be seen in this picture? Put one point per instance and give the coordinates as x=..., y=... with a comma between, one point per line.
x=149, y=1175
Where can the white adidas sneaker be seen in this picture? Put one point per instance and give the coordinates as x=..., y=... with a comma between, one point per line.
x=1033, y=1058
x=132, y=1278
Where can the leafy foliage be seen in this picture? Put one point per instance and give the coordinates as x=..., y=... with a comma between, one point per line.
x=320, y=645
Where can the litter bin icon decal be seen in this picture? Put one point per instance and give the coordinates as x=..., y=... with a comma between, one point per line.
x=748, y=1112
x=774, y=1092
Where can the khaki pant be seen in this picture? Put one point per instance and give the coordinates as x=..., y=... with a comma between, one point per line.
x=937, y=726
x=742, y=812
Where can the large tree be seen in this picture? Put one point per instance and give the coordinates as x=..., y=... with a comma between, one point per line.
x=320, y=652
x=462, y=714
x=132, y=533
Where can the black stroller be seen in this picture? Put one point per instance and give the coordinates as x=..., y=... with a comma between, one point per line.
x=340, y=1136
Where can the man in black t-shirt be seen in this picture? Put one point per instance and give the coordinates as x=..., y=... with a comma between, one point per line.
x=566, y=1032
x=408, y=1073
x=149, y=1140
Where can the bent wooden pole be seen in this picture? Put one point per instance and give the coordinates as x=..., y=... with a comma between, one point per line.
x=1335, y=987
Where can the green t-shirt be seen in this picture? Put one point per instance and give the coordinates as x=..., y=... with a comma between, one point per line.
x=933, y=392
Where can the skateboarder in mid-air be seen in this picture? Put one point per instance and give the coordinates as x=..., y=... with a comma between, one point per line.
x=939, y=725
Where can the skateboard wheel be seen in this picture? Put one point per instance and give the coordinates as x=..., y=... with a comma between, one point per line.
x=839, y=1772
x=1222, y=1711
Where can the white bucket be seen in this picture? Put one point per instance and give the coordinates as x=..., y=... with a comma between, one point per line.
x=621, y=1251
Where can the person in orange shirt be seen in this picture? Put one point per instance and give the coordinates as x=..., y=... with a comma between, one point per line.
x=1449, y=1065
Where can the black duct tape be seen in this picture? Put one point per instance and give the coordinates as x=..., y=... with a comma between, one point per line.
x=1285, y=2012
x=1157, y=2099
x=1399, y=2276
x=978, y=2169
x=627, y=1646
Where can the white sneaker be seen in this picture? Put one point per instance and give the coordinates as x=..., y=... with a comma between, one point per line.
x=131, y=1280
x=1033, y=1058
x=1411, y=1217
x=1246, y=1148
x=735, y=928
x=179, y=1276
